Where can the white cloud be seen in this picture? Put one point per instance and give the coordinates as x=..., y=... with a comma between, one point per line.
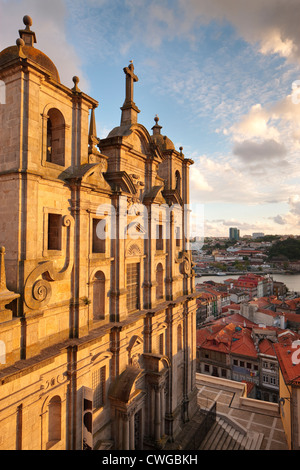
x=272, y=24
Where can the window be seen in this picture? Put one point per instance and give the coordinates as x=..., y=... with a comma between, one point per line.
x=223, y=373
x=55, y=137
x=99, y=296
x=273, y=381
x=99, y=387
x=54, y=231
x=242, y=364
x=98, y=243
x=179, y=338
x=19, y=427
x=235, y=362
x=178, y=181
x=206, y=368
x=177, y=236
x=160, y=281
x=159, y=237
x=161, y=343
x=54, y=423
x=248, y=365
x=133, y=286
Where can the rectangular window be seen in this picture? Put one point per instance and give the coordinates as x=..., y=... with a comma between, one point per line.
x=161, y=343
x=177, y=236
x=98, y=385
x=19, y=427
x=133, y=286
x=54, y=231
x=98, y=243
x=159, y=237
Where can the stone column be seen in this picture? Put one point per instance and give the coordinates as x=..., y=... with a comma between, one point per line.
x=162, y=398
x=157, y=433
x=131, y=432
x=125, y=420
x=152, y=412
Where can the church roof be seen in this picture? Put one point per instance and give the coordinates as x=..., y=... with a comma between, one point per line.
x=25, y=50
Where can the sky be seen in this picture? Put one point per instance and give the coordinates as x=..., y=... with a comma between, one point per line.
x=221, y=75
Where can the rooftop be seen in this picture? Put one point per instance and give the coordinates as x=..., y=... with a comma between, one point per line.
x=233, y=405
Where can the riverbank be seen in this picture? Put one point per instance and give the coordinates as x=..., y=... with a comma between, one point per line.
x=292, y=281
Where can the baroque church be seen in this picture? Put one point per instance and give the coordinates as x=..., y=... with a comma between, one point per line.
x=97, y=296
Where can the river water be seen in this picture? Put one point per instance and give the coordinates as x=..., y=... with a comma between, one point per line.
x=292, y=281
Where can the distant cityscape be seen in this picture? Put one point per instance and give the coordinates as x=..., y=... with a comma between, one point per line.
x=247, y=322
x=258, y=253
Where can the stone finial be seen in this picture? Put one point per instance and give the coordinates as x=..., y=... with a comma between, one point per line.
x=93, y=139
x=75, y=87
x=20, y=44
x=26, y=34
x=156, y=128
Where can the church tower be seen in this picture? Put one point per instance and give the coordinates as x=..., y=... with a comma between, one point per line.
x=97, y=296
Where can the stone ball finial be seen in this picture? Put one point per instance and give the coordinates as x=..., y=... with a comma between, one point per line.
x=75, y=80
x=20, y=42
x=27, y=21
x=156, y=119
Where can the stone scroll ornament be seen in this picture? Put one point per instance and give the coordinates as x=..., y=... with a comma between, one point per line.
x=37, y=292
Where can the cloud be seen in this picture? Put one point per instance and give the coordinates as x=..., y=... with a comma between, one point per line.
x=271, y=24
x=279, y=220
x=259, y=151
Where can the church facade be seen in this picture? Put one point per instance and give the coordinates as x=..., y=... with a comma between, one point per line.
x=97, y=296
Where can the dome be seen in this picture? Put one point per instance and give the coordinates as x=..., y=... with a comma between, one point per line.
x=162, y=141
x=37, y=56
x=25, y=50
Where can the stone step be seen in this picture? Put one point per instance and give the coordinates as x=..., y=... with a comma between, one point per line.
x=225, y=435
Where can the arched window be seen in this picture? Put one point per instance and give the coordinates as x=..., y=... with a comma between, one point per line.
x=54, y=422
x=160, y=281
x=99, y=296
x=55, y=137
x=178, y=181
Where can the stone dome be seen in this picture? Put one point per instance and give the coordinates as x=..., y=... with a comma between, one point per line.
x=31, y=53
x=162, y=141
x=25, y=49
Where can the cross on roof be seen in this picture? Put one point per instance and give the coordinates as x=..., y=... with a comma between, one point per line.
x=130, y=79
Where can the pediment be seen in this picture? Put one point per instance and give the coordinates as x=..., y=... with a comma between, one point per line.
x=155, y=195
x=121, y=181
x=172, y=196
x=91, y=174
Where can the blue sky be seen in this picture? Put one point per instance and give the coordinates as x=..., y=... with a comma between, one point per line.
x=218, y=74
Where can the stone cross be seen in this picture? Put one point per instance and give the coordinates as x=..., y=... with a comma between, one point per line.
x=130, y=79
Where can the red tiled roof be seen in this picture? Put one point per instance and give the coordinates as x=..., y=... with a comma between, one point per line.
x=250, y=386
x=266, y=347
x=288, y=358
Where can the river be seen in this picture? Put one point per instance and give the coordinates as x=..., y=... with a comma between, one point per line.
x=292, y=281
